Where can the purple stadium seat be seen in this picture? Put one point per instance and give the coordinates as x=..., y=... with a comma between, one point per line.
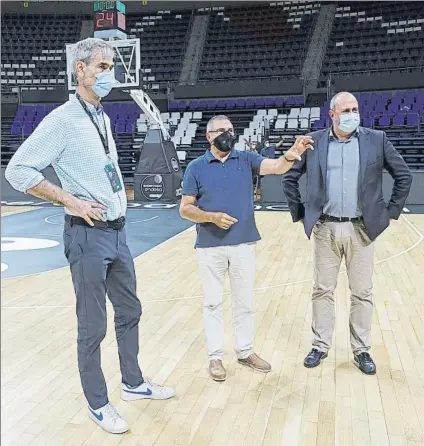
x=221, y=104
x=290, y=101
x=193, y=105
x=412, y=120
x=241, y=103
x=182, y=105
x=250, y=103
x=260, y=103
x=211, y=105
x=27, y=129
x=16, y=130
x=202, y=105
x=399, y=120
x=367, y=122
x=231, y=103
x=173, y=106
x=269, y=102
x=320, y=124
x=384, y=121
x=120, y=127
x=393, y=108
x=278, y=102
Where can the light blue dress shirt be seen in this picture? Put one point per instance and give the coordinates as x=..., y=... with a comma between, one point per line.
x=68, y=140
x=342, y=191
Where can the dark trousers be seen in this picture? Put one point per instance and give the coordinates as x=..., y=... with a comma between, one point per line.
x=101, y=263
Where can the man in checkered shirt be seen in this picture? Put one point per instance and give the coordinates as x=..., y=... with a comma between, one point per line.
x=76, y=139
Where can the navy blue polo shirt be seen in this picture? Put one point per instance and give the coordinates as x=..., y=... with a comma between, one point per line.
x=224, y=187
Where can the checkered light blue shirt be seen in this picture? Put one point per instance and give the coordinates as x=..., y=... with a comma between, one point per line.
x=68, y=140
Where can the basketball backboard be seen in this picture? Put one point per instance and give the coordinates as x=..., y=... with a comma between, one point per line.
x=127, y=63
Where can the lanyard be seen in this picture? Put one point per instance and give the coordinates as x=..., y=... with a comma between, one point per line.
x=104, y=139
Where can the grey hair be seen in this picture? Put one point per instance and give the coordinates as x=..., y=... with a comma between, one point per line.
x=335, y=98
x=84, y=50
x=216, y=118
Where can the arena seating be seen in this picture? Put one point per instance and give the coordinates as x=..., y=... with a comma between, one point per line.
x=163, y=38
x=122, y=116
x=33, y=49
x=257, y=41
x=403, y=109
x=400, y=114
x=375, y=36
x=246, y=42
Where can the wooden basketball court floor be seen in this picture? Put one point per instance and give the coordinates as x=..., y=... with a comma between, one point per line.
x=334, y=404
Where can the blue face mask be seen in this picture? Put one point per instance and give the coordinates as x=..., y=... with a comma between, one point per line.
x=104, y=82
x=349, y=122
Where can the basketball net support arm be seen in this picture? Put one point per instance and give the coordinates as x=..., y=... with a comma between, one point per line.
x=140, y=97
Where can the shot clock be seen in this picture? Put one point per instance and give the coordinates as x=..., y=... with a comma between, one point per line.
x=109, y=19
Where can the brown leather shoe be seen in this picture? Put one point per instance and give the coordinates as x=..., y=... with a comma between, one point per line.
x=256, y=363
x=216, y=370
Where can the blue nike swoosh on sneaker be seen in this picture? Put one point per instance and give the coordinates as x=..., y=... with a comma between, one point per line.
x=147, y=393
x=99, y=417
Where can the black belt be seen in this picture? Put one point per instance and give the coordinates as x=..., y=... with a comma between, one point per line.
x=326, y=217
x=117, y=224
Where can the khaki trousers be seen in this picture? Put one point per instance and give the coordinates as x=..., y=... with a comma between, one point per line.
x=240, y=263
x=331, y=242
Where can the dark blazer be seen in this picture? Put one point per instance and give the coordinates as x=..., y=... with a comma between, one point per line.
x=376, y=153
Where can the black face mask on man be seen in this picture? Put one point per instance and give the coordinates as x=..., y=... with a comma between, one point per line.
x=224, y=142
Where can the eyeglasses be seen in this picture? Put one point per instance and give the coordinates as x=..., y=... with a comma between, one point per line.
x=231, y=131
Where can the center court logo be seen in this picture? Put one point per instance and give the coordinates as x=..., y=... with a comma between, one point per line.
x=152, y=187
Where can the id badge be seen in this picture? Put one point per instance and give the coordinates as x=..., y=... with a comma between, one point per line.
x=113, y=176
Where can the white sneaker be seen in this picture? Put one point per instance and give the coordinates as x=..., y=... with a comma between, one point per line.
x=108, y=419
x=147, y=390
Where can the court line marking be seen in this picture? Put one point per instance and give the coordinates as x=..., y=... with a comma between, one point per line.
x=410, y=248
x=190, y=228
x=67, y=266
x=142, y=221
x=47, y=220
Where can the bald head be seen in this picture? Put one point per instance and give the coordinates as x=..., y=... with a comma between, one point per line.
x=344, y=112
x=340, y=99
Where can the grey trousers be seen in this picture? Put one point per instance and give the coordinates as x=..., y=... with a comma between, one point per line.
x=101, y=263
x=331, y=242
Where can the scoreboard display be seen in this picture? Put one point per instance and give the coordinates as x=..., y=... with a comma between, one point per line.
x=109, y=19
